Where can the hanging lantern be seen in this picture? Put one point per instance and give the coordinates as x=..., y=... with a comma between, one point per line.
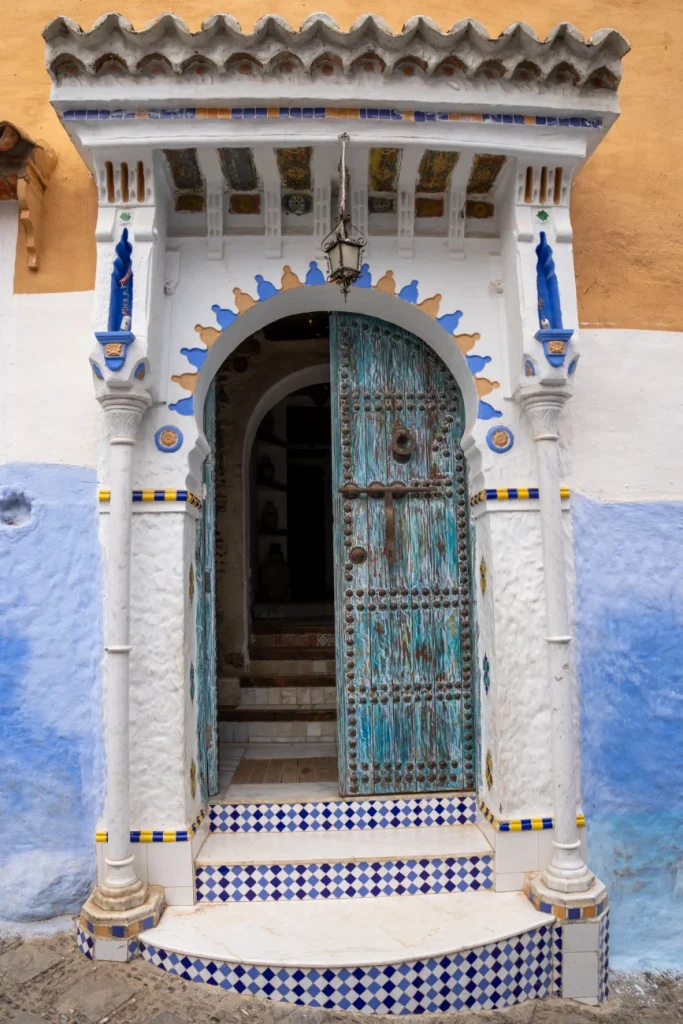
x=344, y=251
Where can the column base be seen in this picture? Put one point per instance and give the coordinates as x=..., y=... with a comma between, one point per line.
x=580, y=939
x=112, y=934
x=579, y=881
x=566, y=906
x=132, y=896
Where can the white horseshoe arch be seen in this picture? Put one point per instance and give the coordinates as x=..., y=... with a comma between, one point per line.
x=307, y=299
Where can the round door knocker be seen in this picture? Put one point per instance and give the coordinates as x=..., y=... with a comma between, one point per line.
x=402, y=443
x=358, y=556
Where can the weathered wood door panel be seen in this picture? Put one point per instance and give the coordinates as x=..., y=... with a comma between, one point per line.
x=207, y=738
x=401, y=563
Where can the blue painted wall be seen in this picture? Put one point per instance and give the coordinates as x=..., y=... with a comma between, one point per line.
x=629, y=579
x=51, y=758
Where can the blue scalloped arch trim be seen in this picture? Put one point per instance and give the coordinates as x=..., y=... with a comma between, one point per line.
x=314, y=276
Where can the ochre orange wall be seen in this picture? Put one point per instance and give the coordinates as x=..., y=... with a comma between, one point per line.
x=627, y=205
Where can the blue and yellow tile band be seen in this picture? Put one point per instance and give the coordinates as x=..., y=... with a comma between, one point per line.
x=152, y=495
x=522, y=824
x=510, y=494
x=327, y=113
x=182, y=835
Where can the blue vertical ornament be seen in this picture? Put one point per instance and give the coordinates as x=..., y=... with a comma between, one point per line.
x=551, y=335
x=116, y=339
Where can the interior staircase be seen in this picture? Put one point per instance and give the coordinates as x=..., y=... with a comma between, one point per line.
x=288, y=695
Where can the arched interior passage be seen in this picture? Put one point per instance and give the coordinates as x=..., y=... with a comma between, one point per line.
x=286, y=450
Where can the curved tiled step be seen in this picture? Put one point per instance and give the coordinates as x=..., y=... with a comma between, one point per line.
x=411, y=954
x=345, y=814
x=343, y=865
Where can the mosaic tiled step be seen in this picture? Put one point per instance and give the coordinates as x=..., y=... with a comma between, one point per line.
x=281, y=666
x=270, y=731
x=315, y=693
x=343, y=865
x=276, y=713
x=299, y=641
x=345, y=815
x=300, y=653
x=317, y=679
x=408, y=954
x=274, y=628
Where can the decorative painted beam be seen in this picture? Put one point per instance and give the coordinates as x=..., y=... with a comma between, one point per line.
x=25, y=166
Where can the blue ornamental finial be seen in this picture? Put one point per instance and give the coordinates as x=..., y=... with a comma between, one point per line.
x=121, y=301
x=118, y=336
x=549, y=310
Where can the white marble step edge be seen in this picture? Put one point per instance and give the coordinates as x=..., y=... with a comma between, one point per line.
x=344, y=933
x=284, y=848
x=304, y=793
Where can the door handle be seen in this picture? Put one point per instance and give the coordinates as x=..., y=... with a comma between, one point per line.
x=389, y=492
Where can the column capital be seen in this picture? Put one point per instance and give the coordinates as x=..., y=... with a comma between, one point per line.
x=124, y=404
x=543, y=402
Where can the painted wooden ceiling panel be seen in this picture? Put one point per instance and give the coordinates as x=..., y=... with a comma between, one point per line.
x=383, y=170
x=245, y=204
x=184, y=167
x=239, y=169
x=436, y=168
x=188, y=180
x=295, y=168
x=485, y=170
x=429, y=206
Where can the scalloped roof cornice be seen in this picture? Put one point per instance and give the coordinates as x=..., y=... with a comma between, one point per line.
x=166, y=47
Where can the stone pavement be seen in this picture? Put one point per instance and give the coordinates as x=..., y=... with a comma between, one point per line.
x=48, y=980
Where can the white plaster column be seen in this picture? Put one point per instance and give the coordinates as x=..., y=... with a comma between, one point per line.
x=124, y=404
x=543, y=403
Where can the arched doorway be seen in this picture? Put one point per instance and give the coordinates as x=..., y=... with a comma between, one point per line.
x=396, y=420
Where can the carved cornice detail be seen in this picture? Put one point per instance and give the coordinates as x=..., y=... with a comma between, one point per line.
x=25, y=166
x=112, y=47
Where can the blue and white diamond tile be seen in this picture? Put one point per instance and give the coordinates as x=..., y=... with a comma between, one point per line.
x=232, y=883
x=344, y=815
x=484, y=978
x=85, y=943
x=603, y=958
x=557, y=960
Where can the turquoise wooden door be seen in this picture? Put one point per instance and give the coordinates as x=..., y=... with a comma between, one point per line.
x=207, y=736
x=402, y=592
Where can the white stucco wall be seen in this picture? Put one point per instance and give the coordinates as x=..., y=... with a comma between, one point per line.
x=50, y=414
x=621, y=430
